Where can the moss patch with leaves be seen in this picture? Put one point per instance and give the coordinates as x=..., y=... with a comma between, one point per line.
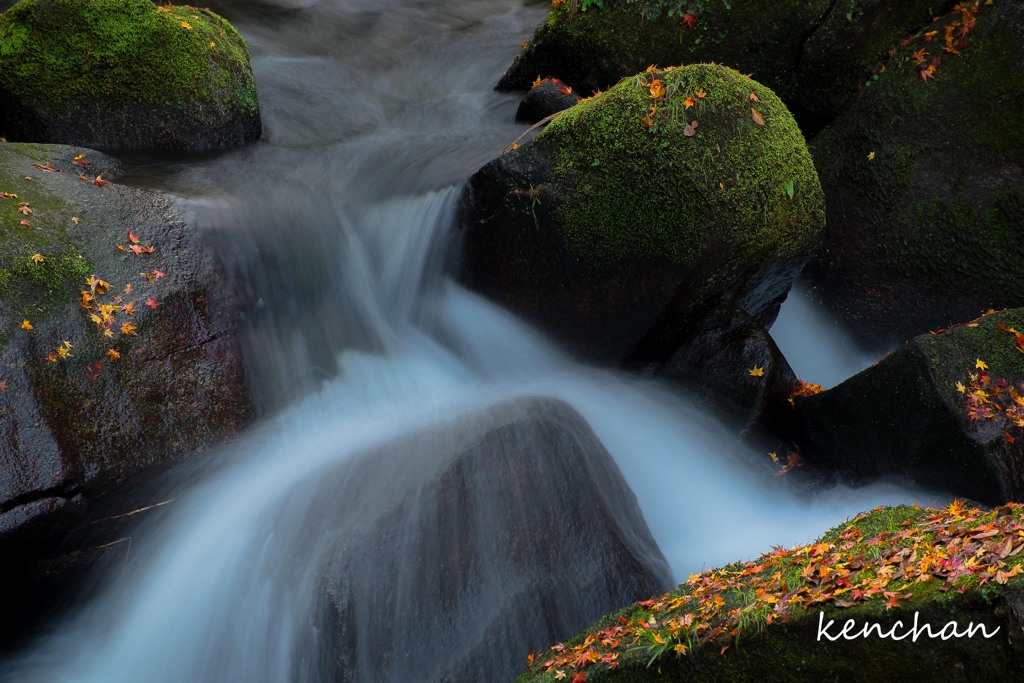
x=747, y=620
x=69, y=61
x=924, y=221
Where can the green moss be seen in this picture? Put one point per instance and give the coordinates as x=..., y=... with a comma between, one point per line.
x=872, y=523
x=629, y=190
x=61, y=53
x=31, y=288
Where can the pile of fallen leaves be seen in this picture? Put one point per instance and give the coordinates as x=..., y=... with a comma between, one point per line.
x=953, y=549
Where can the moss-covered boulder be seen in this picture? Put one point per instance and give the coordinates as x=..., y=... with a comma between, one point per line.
x=126, y=74
x=118, y=350
x=813, y=53
x=901, y=593
x=945, y=411
x=924, y=184
x=636, y=213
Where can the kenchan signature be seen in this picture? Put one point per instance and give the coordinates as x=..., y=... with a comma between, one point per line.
x=851, y=631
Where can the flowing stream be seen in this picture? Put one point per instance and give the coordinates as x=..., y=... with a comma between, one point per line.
x=375, y=112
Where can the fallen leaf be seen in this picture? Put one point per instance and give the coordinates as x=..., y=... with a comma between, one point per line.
x=690, y=129
x=871, y=156
x=689, y=19
x=38, y=258
x=26, y=325
x=754, y=114
x=980, y=364
x=756, y=371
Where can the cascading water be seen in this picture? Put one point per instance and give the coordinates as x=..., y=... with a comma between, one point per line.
x=372, y=113
x=826, y=357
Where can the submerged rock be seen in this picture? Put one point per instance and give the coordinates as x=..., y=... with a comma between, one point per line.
x=944, y=410
x=733, y=365
x=636, y=213
x=125, y=74
x=113, y=364
x=507, y=529
x=921, y=595
x=924, y=221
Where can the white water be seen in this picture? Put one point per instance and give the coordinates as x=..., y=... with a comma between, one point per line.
x=815, y=345
x=396, y=104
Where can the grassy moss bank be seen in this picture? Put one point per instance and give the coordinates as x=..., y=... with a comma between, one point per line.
x=124, y=73
x=753, y=621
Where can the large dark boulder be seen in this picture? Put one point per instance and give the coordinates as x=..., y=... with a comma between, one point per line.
x=924, y=220
x=504, y=530
x=90, y=411
x=618, y=228
x=814, y=53
x=930, y=412
x=125, y=74
x=732, y=365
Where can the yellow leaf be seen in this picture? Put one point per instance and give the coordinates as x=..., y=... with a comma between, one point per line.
x=680, y=649
x=112, y=354
x=756, y=115
x=871, y=156
x=26, y=325
x=186, y=25
x=960, y=387
x=38, y=258
x=756, y=371
x=559, y=674
x=213, y=44
x=980, y=364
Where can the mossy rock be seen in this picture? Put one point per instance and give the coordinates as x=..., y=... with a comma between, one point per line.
x=907, y=571
x=91, y=412
x=907, y=416
x=124, y=74
x=924, y=220
x=813, y=53
x=616, y=229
